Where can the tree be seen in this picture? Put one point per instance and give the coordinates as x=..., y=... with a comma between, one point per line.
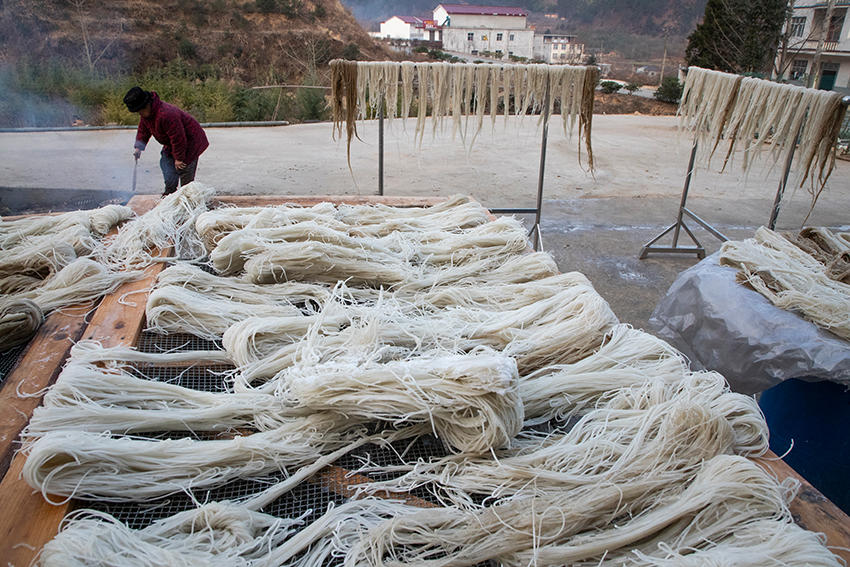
x=610, y=87
x=88, y=48
x=669, y=91
x=738, y=36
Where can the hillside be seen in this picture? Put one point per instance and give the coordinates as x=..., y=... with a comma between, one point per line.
x=244, y=40
x=634, y=30
x=648, y=17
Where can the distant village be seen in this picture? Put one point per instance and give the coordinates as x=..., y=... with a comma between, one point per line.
x=486, y=32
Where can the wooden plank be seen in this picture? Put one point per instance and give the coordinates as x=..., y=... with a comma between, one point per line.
x=34, y=521
x=36, y=370
x=310, y=200
x=812, y=510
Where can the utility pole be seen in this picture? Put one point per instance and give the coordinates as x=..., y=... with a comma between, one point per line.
x=668, y=27
x=826, y=24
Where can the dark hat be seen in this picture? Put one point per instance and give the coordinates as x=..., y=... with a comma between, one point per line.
x=136, y=99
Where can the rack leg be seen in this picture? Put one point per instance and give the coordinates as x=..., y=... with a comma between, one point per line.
x=381, y=149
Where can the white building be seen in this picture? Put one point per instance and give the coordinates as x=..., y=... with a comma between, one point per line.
x=403, y=27
x=409, y=28
x=498, y=31
x=807, y=23
x=558, y=49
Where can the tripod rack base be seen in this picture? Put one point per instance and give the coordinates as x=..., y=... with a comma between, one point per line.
x=698, y=249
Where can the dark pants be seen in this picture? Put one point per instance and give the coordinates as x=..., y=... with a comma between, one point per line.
x=173, y=176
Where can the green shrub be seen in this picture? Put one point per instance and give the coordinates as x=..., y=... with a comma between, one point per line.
x=311, y=102
x=669, y=91
x=610, y=87
x=266, y=6
x=351, y=52
x=186, y=49
x=114, y=111
x=632, y=87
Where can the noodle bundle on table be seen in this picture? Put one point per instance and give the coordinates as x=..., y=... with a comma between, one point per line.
x=791, y=279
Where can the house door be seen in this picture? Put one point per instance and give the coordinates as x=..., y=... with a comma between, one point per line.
x=827, y=80
x=827, y=76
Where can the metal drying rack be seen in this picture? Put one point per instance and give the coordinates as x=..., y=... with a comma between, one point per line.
x=680, y=224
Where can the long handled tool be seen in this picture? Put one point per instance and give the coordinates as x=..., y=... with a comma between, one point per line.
x=135, y=172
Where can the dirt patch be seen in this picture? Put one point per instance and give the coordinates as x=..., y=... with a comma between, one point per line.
x=617, y=103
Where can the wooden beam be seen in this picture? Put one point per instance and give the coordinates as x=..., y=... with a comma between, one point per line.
x=37, y=369
x=344, y=482
x=812, y=510
x=310, y=200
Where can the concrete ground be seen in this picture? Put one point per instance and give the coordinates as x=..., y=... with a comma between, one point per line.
x=595, y=223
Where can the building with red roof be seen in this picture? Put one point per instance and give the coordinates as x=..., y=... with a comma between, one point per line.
x=485, y=31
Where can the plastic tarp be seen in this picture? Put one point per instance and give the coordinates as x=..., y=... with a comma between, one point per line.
x=724, y=326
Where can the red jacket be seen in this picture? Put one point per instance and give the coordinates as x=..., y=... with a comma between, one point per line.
x=181, y=136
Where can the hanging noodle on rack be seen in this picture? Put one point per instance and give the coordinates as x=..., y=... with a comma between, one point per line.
x=461, y=91
x=755, y=116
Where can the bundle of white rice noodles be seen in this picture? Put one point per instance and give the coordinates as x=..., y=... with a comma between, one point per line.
x=790, y=279
x=650, y=429
x=468, y=401
x=410, y=279
x=458, y=212
x=39, y=257
x=628, y=357
x=78, y=464
x=81, y=281
x=215, y=534
x=564, y=327
x=756, y=544
x=587, y=525
x=78, y=283
x=403, y=251
x=97, y=222
x=249, y=341
x=170, y=223
x=123, y=400
x=213, y=225
x=36, y=248
x=187, y=299
x=221, y=534
x=175, y=309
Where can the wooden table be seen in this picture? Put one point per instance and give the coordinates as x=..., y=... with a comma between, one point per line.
x=28, y=521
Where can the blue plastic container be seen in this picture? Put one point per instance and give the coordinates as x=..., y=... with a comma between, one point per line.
x=816, y=415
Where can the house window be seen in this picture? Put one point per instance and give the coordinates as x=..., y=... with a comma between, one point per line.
x=799, y=68
x=499, y=37
x=798, y=24
x=474, y=52
x=835, y=25
x=511, y=37
x=470, y=36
